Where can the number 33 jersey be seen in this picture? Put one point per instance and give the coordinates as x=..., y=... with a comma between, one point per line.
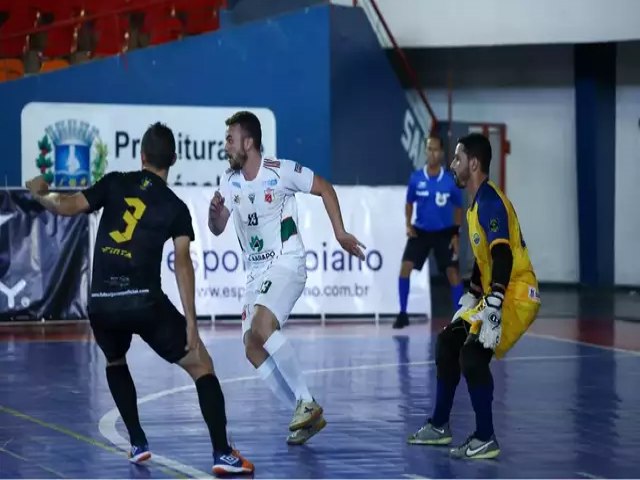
x=264, y=210
x=140, y=213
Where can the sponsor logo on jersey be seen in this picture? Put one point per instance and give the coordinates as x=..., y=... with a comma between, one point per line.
x=262, y=256
x=256, y=243
x=270, y=183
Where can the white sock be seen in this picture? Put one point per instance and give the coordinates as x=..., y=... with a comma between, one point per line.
x=285, y=358
x=268, y=372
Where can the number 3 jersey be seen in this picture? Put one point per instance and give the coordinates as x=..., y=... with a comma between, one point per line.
x=140, y=213
x=264, y=210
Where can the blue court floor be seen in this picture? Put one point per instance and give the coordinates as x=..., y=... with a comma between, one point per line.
x=562, y=409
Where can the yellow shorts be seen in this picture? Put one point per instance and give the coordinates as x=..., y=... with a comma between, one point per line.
x=519, y=310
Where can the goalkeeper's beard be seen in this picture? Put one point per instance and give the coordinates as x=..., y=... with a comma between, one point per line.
x=458, y=181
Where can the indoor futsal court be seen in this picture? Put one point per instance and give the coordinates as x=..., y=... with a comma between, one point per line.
x=357, y=169
x=566, y=402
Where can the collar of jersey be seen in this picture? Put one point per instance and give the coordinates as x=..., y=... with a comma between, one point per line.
x=439, y=176
x=257, y=174
x=475, y=199
x=149, y=172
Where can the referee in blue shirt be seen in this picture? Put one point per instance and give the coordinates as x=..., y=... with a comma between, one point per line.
x=438, y=217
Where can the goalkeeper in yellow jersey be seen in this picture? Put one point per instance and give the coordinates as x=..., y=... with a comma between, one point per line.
x=501, y=303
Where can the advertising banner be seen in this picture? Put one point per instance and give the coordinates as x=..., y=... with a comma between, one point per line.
x=44, y=261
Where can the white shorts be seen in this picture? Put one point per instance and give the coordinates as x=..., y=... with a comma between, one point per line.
x=277, y=288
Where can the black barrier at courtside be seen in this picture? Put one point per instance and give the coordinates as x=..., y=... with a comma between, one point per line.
x=44, y=261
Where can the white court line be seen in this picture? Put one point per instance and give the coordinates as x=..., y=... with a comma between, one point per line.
x=588, y=344
x=588, y=475
x=107, y=424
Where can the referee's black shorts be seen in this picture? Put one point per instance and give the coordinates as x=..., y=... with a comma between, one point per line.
x=160, y=325
x=419, y=248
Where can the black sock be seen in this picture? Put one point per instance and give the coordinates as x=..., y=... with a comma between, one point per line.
x=481, y=398
x=213, y=410
x=445, y=391
x=124, y=394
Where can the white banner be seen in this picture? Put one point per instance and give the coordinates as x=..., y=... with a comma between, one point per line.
x=73, y=143
x=337, y=283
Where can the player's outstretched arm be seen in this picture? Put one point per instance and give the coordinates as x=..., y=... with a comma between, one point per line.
x=324, y=189
x=185, y=279
x=218, y=214
x=59, y=203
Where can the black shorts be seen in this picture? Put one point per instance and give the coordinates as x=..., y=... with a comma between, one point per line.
x=419, y=248
x=161, y=326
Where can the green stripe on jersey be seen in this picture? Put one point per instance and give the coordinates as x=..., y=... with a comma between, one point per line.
x=288, y=229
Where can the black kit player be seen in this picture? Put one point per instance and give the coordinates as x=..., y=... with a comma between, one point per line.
x=140, y=213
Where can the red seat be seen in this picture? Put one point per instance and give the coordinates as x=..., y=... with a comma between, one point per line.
x=93, y=7
x=22, y=18
x=166, y=30
x=156, y=14
x=112, y=34
x=61, y=40
x=111, y=30
x=201, y=15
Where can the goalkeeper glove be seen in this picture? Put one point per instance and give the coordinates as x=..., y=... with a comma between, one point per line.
x=489, y=316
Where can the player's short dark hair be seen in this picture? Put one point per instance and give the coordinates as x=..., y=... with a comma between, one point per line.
x=159, y=146
x=433, y=136
x=477, y=145
x=250, y=124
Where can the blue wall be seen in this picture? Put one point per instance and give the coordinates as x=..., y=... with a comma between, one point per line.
x=368, y=105
x=256, y=64
x=338, y=105
x=595, y=80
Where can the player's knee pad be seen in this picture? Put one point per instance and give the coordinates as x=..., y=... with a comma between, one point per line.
x=474, y=362
x=447, y=351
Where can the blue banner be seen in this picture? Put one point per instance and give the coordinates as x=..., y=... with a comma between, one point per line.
x=44, y=261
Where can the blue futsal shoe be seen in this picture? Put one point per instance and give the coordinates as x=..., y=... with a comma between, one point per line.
x=139, y=454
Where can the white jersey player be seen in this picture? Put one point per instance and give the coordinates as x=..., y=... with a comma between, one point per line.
x=259, y=193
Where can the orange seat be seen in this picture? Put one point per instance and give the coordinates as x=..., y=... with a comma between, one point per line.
x=11, y=68
x=52, y=65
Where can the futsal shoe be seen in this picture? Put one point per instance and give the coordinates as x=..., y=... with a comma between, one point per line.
x=402, y=320
x=300, y=436
x=139, y=454
x=473, y=448
x=224, y=464
x=430, y=435
x=305, y=413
